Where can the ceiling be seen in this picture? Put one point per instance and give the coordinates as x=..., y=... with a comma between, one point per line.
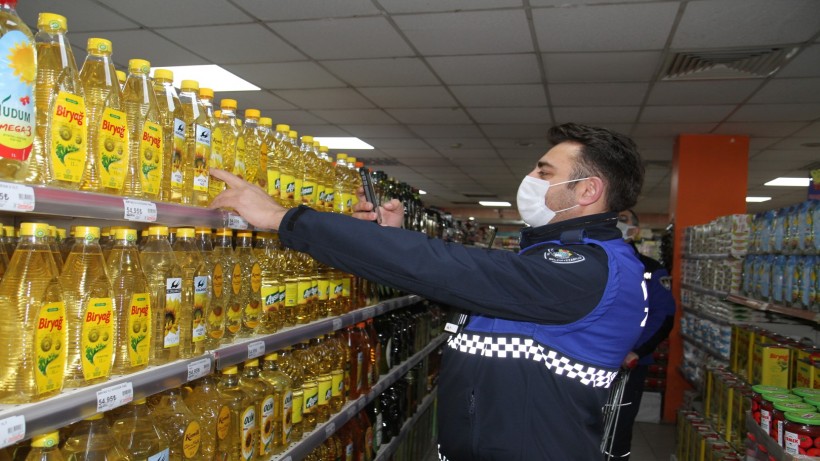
x=456, y=95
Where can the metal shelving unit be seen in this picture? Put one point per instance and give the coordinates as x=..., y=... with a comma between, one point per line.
x=715, y=354
x=387, y=451
x=706, y=291
x=764, y=306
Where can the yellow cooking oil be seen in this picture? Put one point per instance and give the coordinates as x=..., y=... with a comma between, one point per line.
x=145, y=163
x=308, y=173
x=233, y=139
x=276, y=156
x=181, y=426
x=216, y=305
x=107, y=123
x=195, y=159
x=267, y=139
x=283, y=401
x=92, y=440
x=165, y=286
x=137, y=432
x=291, y=167
x=262, y=394
x=45, y=447
x=55, y=250
x=253, y=146
x=34, y=322
x=132, y=303
x=321, y=349
x=121, y=79
x=214, y=416
x=206, y=97
x=243, y=438
x=308, y=360
x=251, y=283
x=90, y=310
x=305, y=302
x=231, y=282
x=195, y=294
x=294, y=370
x=173, y=135
x=339, y=354
x=272, y=292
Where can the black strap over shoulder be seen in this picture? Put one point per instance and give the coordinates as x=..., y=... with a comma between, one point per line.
x=573, y=236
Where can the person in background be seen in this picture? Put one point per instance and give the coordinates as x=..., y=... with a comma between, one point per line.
x=529, y=366
x=658, y=325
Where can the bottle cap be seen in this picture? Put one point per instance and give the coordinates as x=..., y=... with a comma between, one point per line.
x=139, y=66
x=323, y=149
x=52, y=231
x=49, y=439
x=87, y=233
x=282, y=127
x=164, y=74
x=341, y=156
x=224, y=231
x=316, y=144
x=8, y=231
x=161, y=231
x=293, y=134
x=263, y=235
x=202, y=230
x=95, y=417
x=359, y=164
x=61, y=233
x=808, y=418
x=272, y=357
x=120, y=76
x=244, y=233
x=307, y=140
x=206, y=93
x=217, y=114
x=351, y=160
x=51, y=22
x=252, y=363
x=227, y=104
x=189, y=85
x=252, y=113
x=231, y=370
x=129, y=235
x=99, y=46
x=265, y=121
x=139, y=402
x=185, y=232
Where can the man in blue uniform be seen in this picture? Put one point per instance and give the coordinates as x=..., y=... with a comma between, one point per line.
x=527, y=376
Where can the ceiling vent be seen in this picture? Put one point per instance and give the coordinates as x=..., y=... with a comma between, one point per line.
x=726, y=64
x=379, y=161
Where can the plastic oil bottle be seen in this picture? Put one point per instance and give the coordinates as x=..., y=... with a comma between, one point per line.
x=283, y=401
x=136, y=431
x=268, y=143
x=45, y=447
x=217, y=303
x=121, y=79
x=108, y=134
x=339, y=356
x=55, y=250
x=92, y=439
x=206, y=97
x=308, y=173
x=195, y=294
x=276, y=156
x=4, y=258
x=243, y=440
x=262, y=394
x=180, y=425
x=10, y=240
x=324, y=363
x=291, y=167
x=90, y=309
x=231, y=270
x=197, y=142
x=251, y=283
x=272, y=291
x=132, y=303
x=145, y=163
x=35, y=322
x=62, y=133
x=294, y=370
x=233, y=140
x=253, y=145
x=19, y=75
x=327, y=175
x=165, y=285
x=173, y=135
x=205, y=402
x=310, y=386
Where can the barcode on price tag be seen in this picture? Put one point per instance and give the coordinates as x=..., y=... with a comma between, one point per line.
x=337, y=324
x=256, y=349
x=139, y=210
x=114, y=396
x=199, y=369
x=237, y=222
x=330, y=429
x=16, y=197
x=12, y=430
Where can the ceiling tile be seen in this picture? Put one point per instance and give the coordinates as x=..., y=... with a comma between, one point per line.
x=702, y=92
x=468, y=32
x=357, y=116
x=651, y=130
x=344, y=38
x=378, y=131
x=320, y=130
x=666, y=142
x=410, y=96
x=811, y=130
x=732, y=23
x=500, y=95
x=512, y=115
x=801, y=156
x=445, y=144
x=143, y=44
x=447, y=131
x=564, y=3
x=776, y=113
x=286, y=75
x=538, y=130
x=333, y=98
x=691, y=114
x=597, y=94
x=637, y=66
x=388, y=145
x=445, y=116
x=382, y=72
x=759, y=143
x=656, y=154
x=789, y=90
x=795, y=143
x=179, y=13
x=78, y=17
x=507, y=145
x=805, y=64
x=261, y=100
x=229, y=44
x=766, y=129
x=593, y=115
x=490, y=69
x=287, y=10
x=294, y=118
x=605, y=27
x=424, y=6
x=426, y=161
x=471, y=155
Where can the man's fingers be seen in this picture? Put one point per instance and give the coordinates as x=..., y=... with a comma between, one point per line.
x=229, y=178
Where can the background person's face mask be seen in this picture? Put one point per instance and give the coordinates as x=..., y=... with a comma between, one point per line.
x=531, y=201
x=625, y=228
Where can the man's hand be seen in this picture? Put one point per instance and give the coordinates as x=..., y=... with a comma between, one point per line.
x=250, y=201
x=630, y=361
x=392, y=212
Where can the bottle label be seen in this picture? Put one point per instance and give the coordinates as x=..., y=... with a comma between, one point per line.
x=346, y=287
x=176, y=157
x=311, y=398
x=223, y=422
x=297, y=405
x=287, y=189
x=308, y=192
x=377, y=433
x=359, y=370
x=329, y=198
x=280, y=304
x=256, y=278
x=349, y=452
x=348, y=199
x=200, y=301
x=151, y=158
x=336, y=288
x=274, y=177
x=173, y=302
x=291, y=294
x=97, y=341
x=248, y=434
x=217, y=147
x=17, y=100
x=51, y=342
x=305, y=291
x=139, y=329
x=163, y=455
x=68, y=137
x=297, y=190
x=266, y=434
x=270, y=298
x=236, y=279
x=191, y=440
x=324, y=289
x=235, y=316
x=314, y=288
x=112, y=148
x=320, y=196
x=287, y=417
x=239, y=160
x=202, y=153
x=337, y=383
x=325, y=389
x=218, y=280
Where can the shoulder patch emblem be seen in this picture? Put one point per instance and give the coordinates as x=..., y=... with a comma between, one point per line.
x=666, y=282
x=563, y=256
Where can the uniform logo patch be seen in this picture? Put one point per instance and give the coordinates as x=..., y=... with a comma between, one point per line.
x=666, y=282
x=563, y=256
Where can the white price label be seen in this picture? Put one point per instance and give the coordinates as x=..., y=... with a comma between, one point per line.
x=16, y=197
x=114, y=396
x=199, y=369
x=237, y=222
x=330, y=429
x=337, y=324
x=256, y=349
x=139, y=210
x=12, y=430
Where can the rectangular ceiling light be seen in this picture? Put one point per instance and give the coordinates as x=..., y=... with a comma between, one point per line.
x=210, y=76
x=422, y=192
x=757, y=199
x=485, y=203
x=349, y=143
x=793, y=182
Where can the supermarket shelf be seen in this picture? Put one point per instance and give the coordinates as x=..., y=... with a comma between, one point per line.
x=244, y=349
x=706, y=315
x=688, y=379
x=710, y=256
x=313, y=439
x=775, y=450
x=387, y=451
x=706, y=291
x=715, y=354
x=776, y=308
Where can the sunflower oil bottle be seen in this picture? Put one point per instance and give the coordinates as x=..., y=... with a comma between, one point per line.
x=138, y=434
x=216, y=266
x=261, y=393
x=90, y=310
x=165, y=285
x=4, y=258
x=290, y=275
x=267, y=138
x=327, y=175
x=233, y=139
x=108, y=133
x=55, y=250
x=243, y=439
x=308, y=176
x=291, y=168
x=293, y=369
x=195, y=294
x=283, y=401
x=45, y=447
x=253, y=145
x=305, y=303
x=180, y=425
x=206, y=97
x=132, y=303
x=61, y=143
x=92, y=440
x=173, y=135
x=143, y=176
x=32, y=302
x=223, y=148
x=251, y=283
x=198, y=143
x=276, y=157
x=272, y=291
x=339, y=356
x=121, y=79
x=324, y=363
x=9, y=240
x=340, y=185
x=308, y=360
x=205, y=402
x=231, y=290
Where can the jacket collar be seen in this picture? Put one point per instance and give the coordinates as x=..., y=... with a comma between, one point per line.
x=600, y=226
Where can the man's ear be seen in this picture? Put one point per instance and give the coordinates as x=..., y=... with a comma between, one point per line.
x=590, y=190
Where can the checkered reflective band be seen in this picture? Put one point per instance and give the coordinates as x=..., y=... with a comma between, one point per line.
x=515, y=347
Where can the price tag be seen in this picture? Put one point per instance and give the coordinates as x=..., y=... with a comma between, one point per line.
x=16, y=197
x=236, y=222
x=256, y=349
x=114, y=396
x=199, y=369
x=287, y=458
x=330, y=429
x=139, y=210
x=12, y=430
x=337, y=324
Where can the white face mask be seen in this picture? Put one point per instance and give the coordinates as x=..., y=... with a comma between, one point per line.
x=531, y=201
x=625, y=228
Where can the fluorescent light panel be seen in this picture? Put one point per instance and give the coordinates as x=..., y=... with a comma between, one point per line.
x=422, y=192
x=485, y=203
x=349, y=143
x=210, y=76
x=791, y=182
x=757, y=199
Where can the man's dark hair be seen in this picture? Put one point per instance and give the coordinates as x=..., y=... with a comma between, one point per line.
x=611, y=156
